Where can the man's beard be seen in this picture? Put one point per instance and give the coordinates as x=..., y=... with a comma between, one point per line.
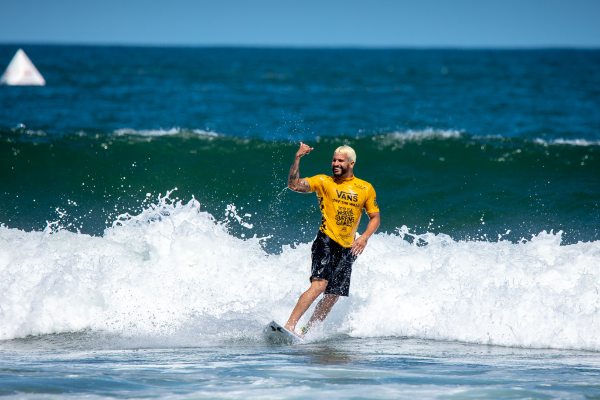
x=341, y=170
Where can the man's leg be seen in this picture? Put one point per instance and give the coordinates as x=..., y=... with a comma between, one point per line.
x=317, y=286
x=322, y=310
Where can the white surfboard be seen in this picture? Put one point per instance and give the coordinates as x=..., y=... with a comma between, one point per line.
x=22, y=72
x=277, y=334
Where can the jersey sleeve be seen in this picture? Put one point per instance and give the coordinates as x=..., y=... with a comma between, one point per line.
x=315, y=182
x=371, y=205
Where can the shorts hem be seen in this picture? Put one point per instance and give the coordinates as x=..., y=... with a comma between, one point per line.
x=337, y=294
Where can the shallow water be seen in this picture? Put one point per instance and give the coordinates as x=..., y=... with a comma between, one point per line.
x=340, y=367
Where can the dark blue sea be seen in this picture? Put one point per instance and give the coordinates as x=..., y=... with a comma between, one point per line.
x=147, y=234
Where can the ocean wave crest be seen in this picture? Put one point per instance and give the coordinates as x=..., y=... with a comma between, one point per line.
x=175, y=131
x=173, y=268
x=399, y=138
x=568, y=142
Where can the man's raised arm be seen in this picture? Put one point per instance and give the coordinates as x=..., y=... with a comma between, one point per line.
x=294, y=181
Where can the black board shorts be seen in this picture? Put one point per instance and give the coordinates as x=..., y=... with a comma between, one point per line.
x=333, y=263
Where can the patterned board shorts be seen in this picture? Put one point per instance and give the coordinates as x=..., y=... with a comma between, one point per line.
x=333, y=263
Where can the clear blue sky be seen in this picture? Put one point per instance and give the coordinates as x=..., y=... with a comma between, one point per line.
x=371, y=23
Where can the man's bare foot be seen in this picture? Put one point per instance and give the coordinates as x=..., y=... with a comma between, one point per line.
x=292, y=329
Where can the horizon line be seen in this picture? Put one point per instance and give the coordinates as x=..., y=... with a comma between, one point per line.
x=307, y=46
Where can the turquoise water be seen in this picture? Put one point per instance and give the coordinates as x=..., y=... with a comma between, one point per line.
x=466, y=143
x=443, y=182
x=147, y=235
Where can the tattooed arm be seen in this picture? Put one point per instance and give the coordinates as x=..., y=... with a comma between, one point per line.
x=294, y=181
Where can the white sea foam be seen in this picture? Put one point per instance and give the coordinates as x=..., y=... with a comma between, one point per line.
x=536, y=293
x=398, y=139
x=163, y=132
x=568, y=142
x=173, y=270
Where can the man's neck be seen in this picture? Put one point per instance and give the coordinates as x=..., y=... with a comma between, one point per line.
x=345, y=177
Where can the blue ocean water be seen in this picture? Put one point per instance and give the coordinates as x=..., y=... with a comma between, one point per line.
x=147, y=235
x=303, y=93
x=339, y=368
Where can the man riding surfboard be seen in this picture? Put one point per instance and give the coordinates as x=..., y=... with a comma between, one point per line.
x=342, y=198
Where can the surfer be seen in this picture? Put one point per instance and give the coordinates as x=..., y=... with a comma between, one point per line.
x=342, y=198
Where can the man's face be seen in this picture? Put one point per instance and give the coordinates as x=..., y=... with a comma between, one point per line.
x=340, y=165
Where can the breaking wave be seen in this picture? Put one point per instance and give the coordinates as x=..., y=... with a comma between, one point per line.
x=173, y=269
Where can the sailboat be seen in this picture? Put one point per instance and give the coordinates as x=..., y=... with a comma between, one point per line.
x=22, y=72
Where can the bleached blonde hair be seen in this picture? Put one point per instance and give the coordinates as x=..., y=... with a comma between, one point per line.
x=348, y=151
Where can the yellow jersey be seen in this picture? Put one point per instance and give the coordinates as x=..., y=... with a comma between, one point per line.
x=341, y=202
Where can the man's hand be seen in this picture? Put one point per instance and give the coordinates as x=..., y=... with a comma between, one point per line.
x=360, y=243
x=358, y=246
x=303, y=150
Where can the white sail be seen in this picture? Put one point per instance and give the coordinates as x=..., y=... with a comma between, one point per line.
x=21, y=71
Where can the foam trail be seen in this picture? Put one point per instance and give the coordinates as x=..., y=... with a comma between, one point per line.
x=173, y=270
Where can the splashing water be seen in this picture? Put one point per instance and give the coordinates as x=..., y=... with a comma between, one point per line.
x=174, y=270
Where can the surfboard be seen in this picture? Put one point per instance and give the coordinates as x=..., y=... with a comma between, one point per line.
x=277, y=334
